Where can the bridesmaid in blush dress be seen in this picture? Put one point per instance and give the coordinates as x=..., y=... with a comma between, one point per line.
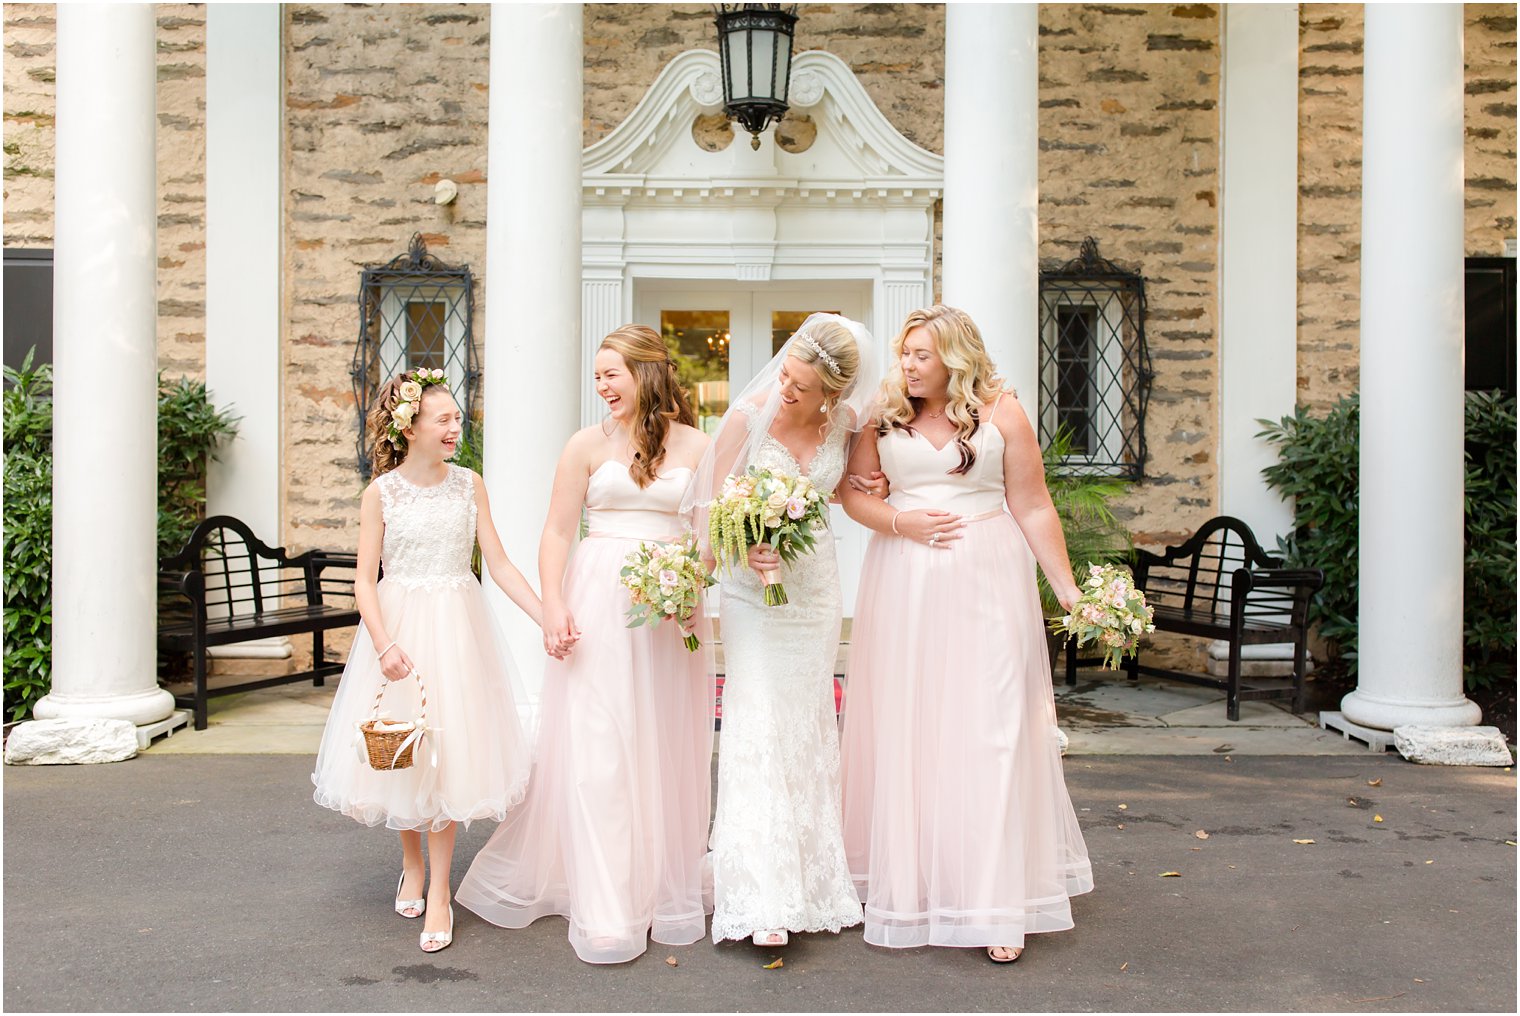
x=613, y=832
x=957, y=823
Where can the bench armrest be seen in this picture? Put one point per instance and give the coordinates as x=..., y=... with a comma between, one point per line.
x=1262, y=578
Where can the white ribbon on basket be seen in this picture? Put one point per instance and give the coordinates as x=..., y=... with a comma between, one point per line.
x=420, y=729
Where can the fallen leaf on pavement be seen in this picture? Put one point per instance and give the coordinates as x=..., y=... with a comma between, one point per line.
x=775, y=964
x=670, y=961
x=1377, y=818
x=1509, y=843
x=1430, y=862
x=1124, y=807
x=1121, y=826
x=1195, y=848
x=1303, y=841
x=1354, y=802
x=1170, y=874
x=1201, y=835
x=1375, y=783
x=1124, y=968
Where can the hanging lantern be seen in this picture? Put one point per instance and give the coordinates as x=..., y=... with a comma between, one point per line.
x=755, y=49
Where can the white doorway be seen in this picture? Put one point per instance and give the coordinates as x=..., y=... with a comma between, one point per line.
x=727, y=331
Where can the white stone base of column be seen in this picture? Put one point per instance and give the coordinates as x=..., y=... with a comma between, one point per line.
x=1275, y=660
x=1453, y=746
x=144, y=707
x=1062, y=741
x=1375, y=740
x=71, y=742
x=1385, y=714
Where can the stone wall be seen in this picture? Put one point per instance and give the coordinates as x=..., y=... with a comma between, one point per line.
x=1330, y=185
x=1129, y=154
x=29, y=151
x=382, y=102
x=1329, y=200
x=1489, y=154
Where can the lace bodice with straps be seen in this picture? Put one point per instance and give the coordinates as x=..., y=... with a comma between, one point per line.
x=429, y=531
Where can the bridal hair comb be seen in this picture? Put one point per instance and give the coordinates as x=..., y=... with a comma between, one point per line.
x=823, y=355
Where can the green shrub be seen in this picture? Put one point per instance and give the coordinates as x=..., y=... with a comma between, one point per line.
x=28, y=408
x=1092, y=532
x=189, y=430
x=1488, y=589
x=1318, y=470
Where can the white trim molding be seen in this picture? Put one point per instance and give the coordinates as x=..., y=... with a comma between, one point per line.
x=656, y=205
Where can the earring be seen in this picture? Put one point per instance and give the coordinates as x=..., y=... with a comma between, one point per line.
x=824, y=408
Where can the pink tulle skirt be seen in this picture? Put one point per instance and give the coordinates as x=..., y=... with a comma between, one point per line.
x=474, y=762
x=613, y=832
x=957, y=824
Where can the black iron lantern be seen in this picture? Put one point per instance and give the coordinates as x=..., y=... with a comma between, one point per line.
x=755, y=48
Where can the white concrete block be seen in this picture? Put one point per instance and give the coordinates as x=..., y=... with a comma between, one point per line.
x=1062, y=741
x=1452, y=746
x=71, y=742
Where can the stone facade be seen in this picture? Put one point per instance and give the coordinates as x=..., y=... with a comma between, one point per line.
x=383, y=101
x=29, y=150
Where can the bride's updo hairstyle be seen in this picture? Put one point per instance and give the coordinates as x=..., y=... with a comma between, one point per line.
x=828, y=347
x=973, y=378
x=661, y=399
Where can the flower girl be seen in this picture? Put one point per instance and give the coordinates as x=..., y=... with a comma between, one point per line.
x=428, y=651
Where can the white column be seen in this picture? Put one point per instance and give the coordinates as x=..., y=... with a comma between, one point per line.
x=243, y=269
x=992, y=143
x=1410, y=640
x=105, y=405
x=1259, y=255
x=533, y=282
x=243, y=126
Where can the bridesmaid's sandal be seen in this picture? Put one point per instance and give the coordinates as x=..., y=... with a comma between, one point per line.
x=402, y=906
x=770, y=939
x=437, y=941
x=1009, y=953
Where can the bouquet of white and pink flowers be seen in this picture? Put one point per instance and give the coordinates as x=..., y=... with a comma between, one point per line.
x=665, y=580
x=764, y=506
x=1110, y=611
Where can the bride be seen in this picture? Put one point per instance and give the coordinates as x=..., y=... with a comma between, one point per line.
x=778, y=855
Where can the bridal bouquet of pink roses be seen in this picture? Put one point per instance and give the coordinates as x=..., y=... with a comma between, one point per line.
x=766, y=506
x=1110, y=611
x=665, y=580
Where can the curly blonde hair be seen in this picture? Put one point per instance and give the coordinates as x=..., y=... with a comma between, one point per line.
x=389, y=449
x=660, y=398
x=974, y=381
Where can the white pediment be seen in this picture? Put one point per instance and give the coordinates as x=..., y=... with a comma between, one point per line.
x=857, y=150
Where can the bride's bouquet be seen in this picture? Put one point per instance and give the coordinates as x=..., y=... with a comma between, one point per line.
x=1110, y=611
x=665, y=580
x=765, y=506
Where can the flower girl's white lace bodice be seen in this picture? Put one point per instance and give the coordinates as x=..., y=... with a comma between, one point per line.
x=429, y=531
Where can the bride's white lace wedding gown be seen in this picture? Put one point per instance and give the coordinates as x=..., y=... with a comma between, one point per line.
x=777, y=846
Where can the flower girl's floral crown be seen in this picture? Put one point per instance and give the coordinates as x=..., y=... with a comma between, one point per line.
x=817, y=347
x=409, y=398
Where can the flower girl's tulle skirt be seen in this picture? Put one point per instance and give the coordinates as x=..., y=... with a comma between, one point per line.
x=613, y=832
x=958, y=827
x=482, y=751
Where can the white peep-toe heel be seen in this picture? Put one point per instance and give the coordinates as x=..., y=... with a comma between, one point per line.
x=770, y=939
x=444, y=939
x=402, y=906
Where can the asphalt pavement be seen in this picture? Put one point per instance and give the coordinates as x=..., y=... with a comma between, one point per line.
x=212, y=882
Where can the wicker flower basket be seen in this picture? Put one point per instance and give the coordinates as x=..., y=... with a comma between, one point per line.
x=388, y=744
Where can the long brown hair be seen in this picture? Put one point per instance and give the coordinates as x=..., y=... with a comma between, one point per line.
x=660, y=400
x=973, y=379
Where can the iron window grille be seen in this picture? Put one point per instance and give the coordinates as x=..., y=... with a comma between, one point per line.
x=1095, y=369
x=414, y=311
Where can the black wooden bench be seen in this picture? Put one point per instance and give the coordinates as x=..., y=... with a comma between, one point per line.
x=1220, y=584
x=228, y=586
